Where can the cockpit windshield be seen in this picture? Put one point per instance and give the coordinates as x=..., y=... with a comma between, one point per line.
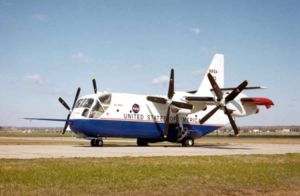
x=105, y=100
x=100, y=105
x=84, y=103
x=97, y=110
x=94, y=108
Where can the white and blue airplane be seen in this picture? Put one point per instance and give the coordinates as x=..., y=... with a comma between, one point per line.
x=179, y=117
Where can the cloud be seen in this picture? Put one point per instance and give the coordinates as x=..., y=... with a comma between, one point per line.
x=161, y=80
x=195, y=30
x=40, y=17
x=199, y=72
x=35, y=78
x=80, y=57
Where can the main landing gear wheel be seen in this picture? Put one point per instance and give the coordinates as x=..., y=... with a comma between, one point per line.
x=188, y=142
x=141, y=142
x=96, y=142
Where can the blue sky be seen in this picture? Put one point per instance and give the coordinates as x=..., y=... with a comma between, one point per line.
x=49, y=48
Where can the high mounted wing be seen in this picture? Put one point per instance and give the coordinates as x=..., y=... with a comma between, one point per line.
x=247, y=88
x=232, y=88
x=200, y=100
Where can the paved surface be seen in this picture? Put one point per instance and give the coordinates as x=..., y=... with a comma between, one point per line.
x=65, y=151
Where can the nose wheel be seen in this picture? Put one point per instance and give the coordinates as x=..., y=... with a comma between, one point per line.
x=96, y=142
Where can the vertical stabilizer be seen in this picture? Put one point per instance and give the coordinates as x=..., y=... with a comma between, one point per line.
x=216, y=69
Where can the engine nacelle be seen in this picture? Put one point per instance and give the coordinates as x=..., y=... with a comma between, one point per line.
x=239, y=109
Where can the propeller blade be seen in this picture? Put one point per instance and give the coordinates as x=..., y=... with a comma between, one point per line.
x=66, y=124
x=232, y=122
x=171, y=85
x=208, y=115
x=236, y=91
x=68, y=108
x=167, y=123
x=63, y=103
x=160, y=100
x=182, y=105
x=76, y=97
x=95, y=85
x=215, y=87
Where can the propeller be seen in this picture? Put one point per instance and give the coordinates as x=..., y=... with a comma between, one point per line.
x=68, y=108
x=95, y=85
x=169, y=102
x=221, y=102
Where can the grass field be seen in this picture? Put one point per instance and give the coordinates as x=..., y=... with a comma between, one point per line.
x=215, y=175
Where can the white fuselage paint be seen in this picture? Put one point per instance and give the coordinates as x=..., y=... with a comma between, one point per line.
x=121, y=108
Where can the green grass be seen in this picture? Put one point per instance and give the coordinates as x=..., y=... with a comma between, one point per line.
x=215, y=175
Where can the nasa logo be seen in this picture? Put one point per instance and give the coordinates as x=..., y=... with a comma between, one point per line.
x=135, y=108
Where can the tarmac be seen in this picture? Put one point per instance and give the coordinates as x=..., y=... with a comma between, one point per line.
x=72, y=151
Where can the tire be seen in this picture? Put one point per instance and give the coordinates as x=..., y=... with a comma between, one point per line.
x=96, y=142
x=99, y=142
x=141, y=142
x=93, y=142
x=188, y=142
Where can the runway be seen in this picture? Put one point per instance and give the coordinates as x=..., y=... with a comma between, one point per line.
x=69, y=151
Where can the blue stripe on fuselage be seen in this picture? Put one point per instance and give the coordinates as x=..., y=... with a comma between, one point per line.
x=132, y=129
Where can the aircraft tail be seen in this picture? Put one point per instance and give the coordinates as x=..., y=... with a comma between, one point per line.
x=216, y=69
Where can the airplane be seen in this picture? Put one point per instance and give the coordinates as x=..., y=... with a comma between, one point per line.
x=178, y=117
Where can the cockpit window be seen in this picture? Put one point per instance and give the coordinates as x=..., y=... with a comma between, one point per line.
x=84, y=103
x=94, y=108
x=105, y=99
x=97, y=110
x=97, y=107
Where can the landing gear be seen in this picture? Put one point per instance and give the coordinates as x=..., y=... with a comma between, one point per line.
x=188, y=142
x=97, y=142
x=141, y=142
x=183, y=134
